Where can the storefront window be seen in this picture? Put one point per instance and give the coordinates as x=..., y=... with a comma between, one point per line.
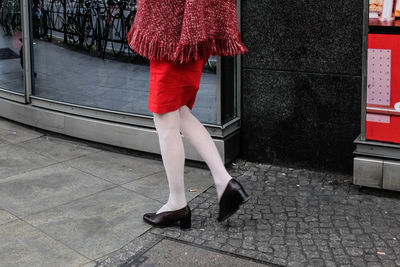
x=81, y=57
x=11, y=63
x=383, y=78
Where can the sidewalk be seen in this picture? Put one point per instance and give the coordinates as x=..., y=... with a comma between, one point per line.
x=68, y=202
x=65, y=202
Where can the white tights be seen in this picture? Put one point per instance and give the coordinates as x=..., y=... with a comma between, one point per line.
x=168, y=126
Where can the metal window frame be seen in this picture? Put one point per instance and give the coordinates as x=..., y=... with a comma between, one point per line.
x=364, y=70
x=373, y=109
x=28, y=52
x=239, y=68
x=12, y=95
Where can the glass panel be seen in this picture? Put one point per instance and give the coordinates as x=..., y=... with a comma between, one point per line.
x=228, y=88
x=11, y=70
x=383, y=78
x=81, y=56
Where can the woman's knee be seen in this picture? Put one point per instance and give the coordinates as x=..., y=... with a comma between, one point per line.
x=184, y=111
x=166, y=120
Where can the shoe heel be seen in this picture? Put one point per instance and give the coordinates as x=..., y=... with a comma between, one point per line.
x=185, y=223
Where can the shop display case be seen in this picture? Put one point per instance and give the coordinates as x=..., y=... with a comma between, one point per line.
x=377, y=156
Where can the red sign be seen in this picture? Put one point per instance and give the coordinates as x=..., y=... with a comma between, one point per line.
x=383, y=88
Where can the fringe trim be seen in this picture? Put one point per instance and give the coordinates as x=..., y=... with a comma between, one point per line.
x=153, y=49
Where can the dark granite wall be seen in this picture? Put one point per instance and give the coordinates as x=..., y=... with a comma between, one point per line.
x=301, y=81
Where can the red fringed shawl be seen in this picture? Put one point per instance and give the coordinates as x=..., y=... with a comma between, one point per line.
x=184, y=30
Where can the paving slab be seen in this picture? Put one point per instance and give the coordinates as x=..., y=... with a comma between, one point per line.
x=15, y=159
x=169, y=253
x=88, y=264
x=6, y=217
x=14, y=133
x=98, y=224
x=131, y=250
x=47, y=187
x=16, y=136
x=115, y=167
x=156, y=185
x=23, y=245
x=3, y=142
x=58, y=149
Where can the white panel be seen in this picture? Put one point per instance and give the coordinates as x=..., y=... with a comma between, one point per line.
x=378, y=90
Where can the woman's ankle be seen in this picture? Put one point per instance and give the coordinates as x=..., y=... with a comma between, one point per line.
x=221, y=185
x=176, y=205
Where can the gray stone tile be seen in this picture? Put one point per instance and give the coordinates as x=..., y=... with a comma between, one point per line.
x=6, y=217
x=98, y=224
x=130, y=250
x=88, y=264
x=172, y=253
x=3, y=142
x=156, y=186
x=23, y=245
x=57, y=148
x=116, y=167
x=47, y=187
x=15, y=159
x=14, y=133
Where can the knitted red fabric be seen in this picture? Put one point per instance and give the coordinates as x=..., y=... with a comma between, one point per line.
x=181, y=31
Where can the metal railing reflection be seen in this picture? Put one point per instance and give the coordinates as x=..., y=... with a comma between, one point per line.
x=93, y=25
x=96, y=26
x=10, y=16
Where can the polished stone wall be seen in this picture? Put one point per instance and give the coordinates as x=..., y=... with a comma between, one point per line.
x=301, y=81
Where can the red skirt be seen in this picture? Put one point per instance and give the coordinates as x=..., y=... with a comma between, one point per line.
x=173, y=85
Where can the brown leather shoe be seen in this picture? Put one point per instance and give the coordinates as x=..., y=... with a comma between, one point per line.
x=169, y=218
x=233, y=196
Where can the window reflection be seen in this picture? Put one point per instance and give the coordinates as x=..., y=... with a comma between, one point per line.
x=11, y=64
x=81, y=56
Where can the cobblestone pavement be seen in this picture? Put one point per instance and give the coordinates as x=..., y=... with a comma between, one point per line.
x=295, y=217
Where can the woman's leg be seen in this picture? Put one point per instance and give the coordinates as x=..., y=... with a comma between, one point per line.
x=173, y=157
x=201, y=140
